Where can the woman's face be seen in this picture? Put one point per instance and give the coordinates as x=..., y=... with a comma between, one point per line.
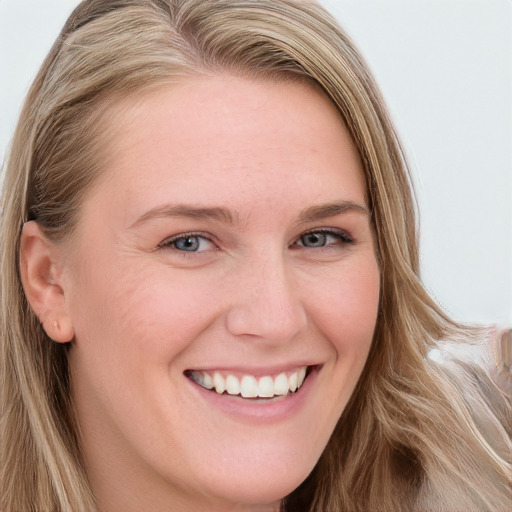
x=227, y=244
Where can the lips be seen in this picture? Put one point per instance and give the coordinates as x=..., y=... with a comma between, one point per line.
x=250, y=386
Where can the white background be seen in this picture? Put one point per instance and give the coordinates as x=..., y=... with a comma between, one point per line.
x=445, y=69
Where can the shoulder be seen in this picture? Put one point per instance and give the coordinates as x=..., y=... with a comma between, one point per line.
x=478, y=459
x=484, y=386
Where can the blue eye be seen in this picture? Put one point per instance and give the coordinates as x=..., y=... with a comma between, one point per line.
x=190, y=244
x=187, y=243
x=314, y=240
x=319, y=239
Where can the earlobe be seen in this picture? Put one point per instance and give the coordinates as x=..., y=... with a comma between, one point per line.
x=41, y=280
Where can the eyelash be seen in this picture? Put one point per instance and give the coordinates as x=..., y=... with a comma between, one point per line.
x=169, y=243
x=342, y=237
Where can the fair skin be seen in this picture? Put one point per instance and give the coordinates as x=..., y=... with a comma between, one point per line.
x=275, y=272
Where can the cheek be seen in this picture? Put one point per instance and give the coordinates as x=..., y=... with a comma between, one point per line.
x=346, y=306
x=141, y=311
x=344, y=309
x=132, y=324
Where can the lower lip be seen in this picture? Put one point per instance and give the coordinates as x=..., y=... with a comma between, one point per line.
x=262, y=411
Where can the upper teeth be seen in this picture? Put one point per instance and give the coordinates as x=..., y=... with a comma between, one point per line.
x=250, y=386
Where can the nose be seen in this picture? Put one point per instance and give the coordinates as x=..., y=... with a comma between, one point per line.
x=265, y=302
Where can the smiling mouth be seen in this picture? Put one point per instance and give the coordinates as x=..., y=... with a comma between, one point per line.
x=250, y=386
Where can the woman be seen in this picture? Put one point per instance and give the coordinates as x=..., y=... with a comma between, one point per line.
x=210, y=283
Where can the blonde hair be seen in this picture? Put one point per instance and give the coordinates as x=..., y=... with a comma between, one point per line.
x=410, y=438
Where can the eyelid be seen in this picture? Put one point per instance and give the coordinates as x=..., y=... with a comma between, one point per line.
x=343, y=236
x=169, y=241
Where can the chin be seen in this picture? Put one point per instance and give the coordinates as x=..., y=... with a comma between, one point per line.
x=262, y=485
x=265, y=492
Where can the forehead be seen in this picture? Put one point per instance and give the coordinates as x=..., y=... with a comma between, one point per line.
x=224, y=137
x=220, y=103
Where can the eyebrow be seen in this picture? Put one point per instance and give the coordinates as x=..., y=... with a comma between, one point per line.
x=322, y=211
x=190, y=211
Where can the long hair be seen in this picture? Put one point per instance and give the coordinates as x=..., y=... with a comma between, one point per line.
x=410, y=438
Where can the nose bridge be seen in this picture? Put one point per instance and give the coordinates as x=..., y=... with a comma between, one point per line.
x=265, y=300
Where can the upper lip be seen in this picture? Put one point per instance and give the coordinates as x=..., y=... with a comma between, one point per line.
x=257, y=371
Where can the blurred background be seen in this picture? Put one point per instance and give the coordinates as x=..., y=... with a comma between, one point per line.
x=445, y=70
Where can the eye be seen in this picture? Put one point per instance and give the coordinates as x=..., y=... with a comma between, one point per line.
x=323, y=238
x=188, y=242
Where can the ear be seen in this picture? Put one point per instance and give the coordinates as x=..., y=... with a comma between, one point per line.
x=41, y=277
